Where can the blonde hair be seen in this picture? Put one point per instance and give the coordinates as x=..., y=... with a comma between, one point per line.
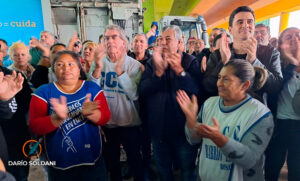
x=90, y=43
x=15, y=46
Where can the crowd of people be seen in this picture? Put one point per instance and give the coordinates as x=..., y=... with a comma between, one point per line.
x=226, y=112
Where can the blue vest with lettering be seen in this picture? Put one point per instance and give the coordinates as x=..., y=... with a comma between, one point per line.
x=77, y=141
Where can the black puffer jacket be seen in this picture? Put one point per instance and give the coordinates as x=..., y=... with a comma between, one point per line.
x=164, y=116
x=7, y=109
x=15, y=129
x=267, y=58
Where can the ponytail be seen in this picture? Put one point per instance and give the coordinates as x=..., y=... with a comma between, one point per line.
x=260, y=78
x=245, y=71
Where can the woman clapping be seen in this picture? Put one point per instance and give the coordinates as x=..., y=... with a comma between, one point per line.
x=233, y=128
x=69, y=113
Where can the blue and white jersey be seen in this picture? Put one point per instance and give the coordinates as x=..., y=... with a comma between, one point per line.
x=77, y=141
x=235, y=124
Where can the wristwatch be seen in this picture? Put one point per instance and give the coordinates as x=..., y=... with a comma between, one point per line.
x=183, y=74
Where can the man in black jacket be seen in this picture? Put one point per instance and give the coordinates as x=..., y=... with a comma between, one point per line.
x=141, y=54
x=244, y=46
x=139, y=49
x=167, y=72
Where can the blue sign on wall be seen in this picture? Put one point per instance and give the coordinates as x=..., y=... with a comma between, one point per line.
x=20, y=20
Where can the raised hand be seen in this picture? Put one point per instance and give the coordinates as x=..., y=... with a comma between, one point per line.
x=34, y=42
x=160, y=64
x=224, y=49
x=250, y=46
x=60, y=107
x=72, y=40
x=2, y=167
x=119, y=66
x=209, y=131
x=10, y=85
x=174, y=60
x=88, y=106
x=189, y=107
x=212, y=132
x=150, y=33
x=100, y=53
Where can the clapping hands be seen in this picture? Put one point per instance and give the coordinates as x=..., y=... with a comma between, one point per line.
x=10, y=85
x=88, y=106
x=60, y=107
x=162, y=60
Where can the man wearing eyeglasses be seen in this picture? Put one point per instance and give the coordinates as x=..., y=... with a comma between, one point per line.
x=119, y=75
x=268, y=55
x=262, y=34
x=191, y=45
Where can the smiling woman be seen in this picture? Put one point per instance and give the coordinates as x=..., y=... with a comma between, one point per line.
x=233, y=128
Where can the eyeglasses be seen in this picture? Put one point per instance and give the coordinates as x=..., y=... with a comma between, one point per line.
x=262, y=32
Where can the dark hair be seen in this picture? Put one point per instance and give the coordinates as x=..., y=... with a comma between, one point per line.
x=4, y=41
x=57, y=44
x=245, y=71
x=260, y=25
x=100, y=37
x=238, y=10
x=218, y=37
x=284, y=32
x=74, y=56
x=284, y=62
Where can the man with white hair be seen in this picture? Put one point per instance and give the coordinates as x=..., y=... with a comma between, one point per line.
x=47, y=39
x=119, y=75
x=167, y=72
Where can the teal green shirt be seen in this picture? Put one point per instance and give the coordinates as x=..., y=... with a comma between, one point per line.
x=36, y=55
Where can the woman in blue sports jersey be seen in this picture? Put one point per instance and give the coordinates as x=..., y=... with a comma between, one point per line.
x=233, y=128
x=69, y=113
